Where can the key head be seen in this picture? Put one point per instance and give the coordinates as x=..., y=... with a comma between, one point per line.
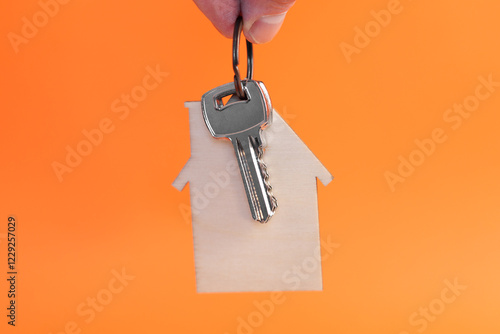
x=237, y=116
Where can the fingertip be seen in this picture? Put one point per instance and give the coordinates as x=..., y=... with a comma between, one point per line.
x=264, y=28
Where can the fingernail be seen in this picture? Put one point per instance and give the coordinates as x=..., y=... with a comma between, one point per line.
x=265, y=28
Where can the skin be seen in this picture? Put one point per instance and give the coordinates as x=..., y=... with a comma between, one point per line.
x=262, y=19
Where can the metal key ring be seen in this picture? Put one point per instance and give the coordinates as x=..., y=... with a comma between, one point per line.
x=238, y=85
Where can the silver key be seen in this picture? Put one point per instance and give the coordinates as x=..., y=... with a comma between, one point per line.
x=241, y=121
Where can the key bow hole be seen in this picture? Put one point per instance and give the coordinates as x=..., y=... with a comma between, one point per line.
x=225, y=101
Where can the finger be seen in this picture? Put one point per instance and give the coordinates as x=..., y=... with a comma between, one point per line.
x=222, y=13
x=263, y=18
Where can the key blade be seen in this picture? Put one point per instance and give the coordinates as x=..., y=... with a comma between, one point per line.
x=247, y=153
x=265, y=176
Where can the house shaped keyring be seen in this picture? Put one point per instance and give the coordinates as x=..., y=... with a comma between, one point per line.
x=233, y=253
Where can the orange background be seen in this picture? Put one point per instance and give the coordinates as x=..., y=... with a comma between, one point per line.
x=117, y=209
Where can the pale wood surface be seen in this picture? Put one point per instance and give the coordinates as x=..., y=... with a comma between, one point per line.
x=233, y=253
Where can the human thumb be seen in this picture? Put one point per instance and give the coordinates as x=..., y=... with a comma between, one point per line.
x=262, y=19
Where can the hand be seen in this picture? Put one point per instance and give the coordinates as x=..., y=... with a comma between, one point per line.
x=262, y=19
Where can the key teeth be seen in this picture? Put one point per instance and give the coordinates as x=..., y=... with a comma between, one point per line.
x=265, y=176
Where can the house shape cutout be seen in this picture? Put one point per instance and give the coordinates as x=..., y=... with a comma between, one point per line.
x=234, y=253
